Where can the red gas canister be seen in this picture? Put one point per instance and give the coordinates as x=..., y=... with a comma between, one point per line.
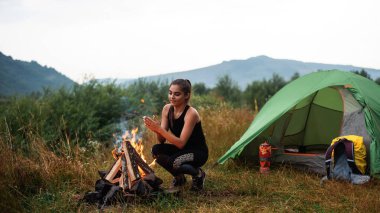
x=265, y=152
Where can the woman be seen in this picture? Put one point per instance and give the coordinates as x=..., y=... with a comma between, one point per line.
x=186, y=151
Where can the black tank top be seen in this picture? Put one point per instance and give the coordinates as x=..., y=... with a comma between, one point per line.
x=196, y=140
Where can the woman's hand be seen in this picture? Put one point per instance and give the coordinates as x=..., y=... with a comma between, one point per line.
x=151, y=124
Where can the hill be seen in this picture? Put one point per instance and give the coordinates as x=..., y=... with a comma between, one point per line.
x=21, y=77
x=256, y=68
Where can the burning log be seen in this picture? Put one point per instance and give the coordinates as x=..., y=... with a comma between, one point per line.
x=114, y=170
x=129, y=175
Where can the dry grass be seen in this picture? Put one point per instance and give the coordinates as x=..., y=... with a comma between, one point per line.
x=45, y=182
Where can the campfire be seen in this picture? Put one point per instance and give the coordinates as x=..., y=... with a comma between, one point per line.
x=136, y=143
x=130, y=175
x=138, y=149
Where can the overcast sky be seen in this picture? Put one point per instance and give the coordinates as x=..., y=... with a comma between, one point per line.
x=128, y=39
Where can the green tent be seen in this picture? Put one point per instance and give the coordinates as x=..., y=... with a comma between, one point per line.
x=304, y=116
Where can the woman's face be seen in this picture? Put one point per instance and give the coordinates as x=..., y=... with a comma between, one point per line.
x=176, y=96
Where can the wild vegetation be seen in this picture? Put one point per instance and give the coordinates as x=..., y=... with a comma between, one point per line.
x=53, y=144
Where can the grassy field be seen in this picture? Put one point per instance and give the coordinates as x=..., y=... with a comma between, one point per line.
x=47, y=182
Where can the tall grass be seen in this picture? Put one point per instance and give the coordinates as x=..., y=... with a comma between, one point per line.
x=45, y=181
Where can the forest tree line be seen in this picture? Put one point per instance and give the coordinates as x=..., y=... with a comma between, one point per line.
x=93, y=110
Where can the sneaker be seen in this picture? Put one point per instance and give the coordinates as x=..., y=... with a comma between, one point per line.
x=177, y=184
x=198, y=182
x=178, y=181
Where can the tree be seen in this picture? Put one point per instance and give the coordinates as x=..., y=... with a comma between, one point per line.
x=263, y=90
x=147, y=97
x=228, y=90
x=378, y=81
x=200, y=89
x=363, y=73
x=295, y=76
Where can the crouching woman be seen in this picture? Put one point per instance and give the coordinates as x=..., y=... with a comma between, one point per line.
x=181, y=126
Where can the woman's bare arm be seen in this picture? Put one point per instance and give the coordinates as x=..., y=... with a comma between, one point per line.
x=191, y=118
x=164, y=122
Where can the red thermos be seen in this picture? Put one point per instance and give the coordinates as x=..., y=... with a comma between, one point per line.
x=265, y=152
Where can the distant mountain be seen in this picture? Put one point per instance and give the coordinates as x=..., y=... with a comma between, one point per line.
x=21, y=77
x=244, y=72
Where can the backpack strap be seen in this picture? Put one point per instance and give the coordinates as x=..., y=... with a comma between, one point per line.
x=328, y=159
x=349, y=151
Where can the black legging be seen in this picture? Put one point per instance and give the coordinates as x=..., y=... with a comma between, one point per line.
x=177, y=161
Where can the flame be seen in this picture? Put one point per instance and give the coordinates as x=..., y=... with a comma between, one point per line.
x=134, y=132
x=137, y=144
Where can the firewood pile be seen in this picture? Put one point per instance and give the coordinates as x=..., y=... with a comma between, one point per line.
x=129, y=176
